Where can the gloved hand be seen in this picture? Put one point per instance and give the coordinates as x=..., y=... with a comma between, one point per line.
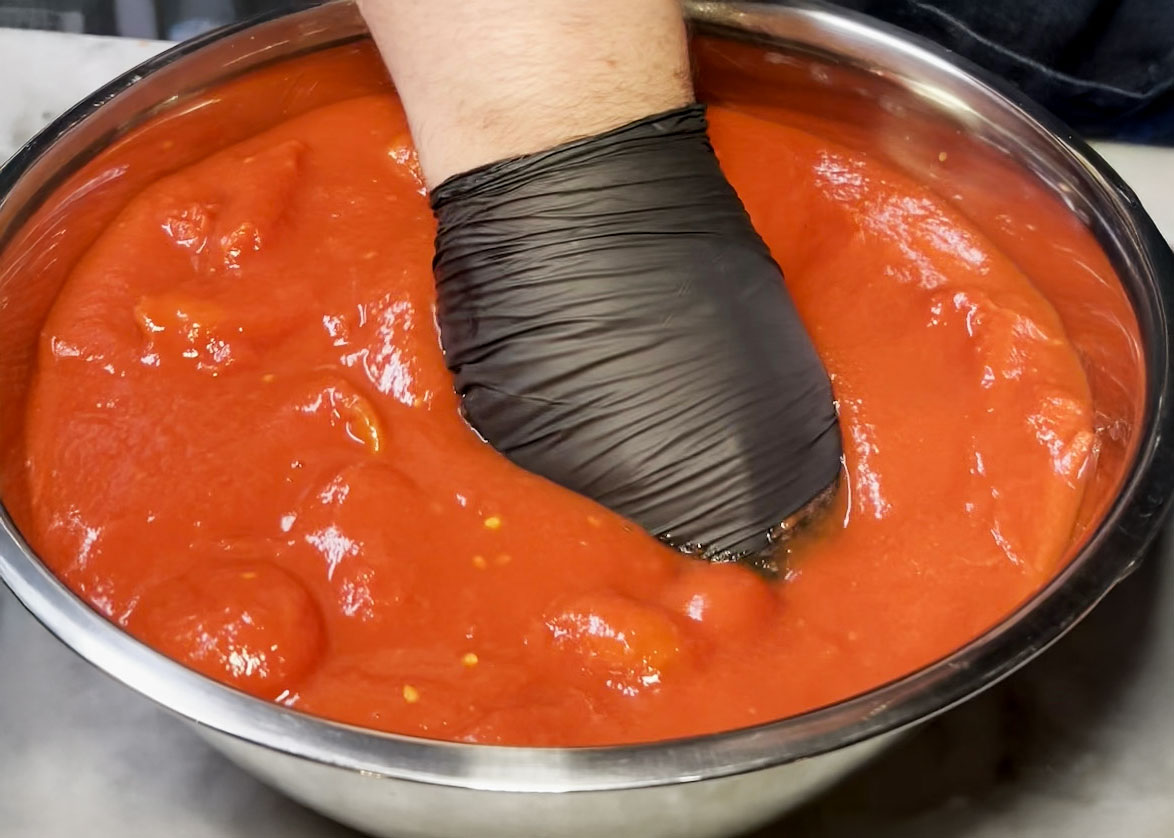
x=611, y=317
x=614, y=323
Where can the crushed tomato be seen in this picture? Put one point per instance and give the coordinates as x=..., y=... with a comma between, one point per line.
x=243, y=446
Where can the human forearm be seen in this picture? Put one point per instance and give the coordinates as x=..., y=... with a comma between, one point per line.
x=491, y=79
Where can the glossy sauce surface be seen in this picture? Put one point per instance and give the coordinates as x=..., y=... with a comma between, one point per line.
x=243, y=446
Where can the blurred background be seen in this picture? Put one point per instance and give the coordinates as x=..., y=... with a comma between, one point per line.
x=171, y=20
x=1106, y=67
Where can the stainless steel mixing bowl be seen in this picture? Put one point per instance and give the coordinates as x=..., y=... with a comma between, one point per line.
x=906, y=102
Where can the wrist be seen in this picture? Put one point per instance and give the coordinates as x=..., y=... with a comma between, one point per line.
x=495, y=79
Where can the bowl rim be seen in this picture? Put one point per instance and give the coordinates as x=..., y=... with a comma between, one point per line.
x=1111, y=552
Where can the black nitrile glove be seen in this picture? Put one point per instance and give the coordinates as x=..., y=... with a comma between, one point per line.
x=614, y=323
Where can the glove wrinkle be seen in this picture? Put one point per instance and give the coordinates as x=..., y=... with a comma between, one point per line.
x=614, y=323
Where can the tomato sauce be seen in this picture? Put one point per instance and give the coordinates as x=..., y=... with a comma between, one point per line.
x=242, y=445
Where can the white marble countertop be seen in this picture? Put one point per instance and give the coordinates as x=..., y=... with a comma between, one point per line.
x=1080, y=744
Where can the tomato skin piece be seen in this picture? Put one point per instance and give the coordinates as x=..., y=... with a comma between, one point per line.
x=633, y=644
x=728, y=602
x=247, y=623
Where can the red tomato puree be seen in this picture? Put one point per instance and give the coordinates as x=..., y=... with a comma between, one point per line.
x=243, y=446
